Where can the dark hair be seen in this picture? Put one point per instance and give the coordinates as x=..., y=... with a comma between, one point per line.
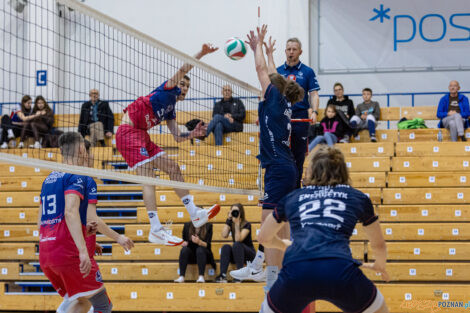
x=338, y=84
x=25, y=99
x=294, y=93
x=241, y=216
x=87, y=145
x=46, y=106
x=367, y=89
x=186, y=77
x=327, y=168
x=331, y=106
x=69, y=143
x=202, y=231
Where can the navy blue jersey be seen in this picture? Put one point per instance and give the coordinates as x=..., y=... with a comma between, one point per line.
x=305, y=77
x=322, y=219
x=163, y=101
x=274, y=114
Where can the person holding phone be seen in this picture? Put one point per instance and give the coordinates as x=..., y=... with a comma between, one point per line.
x=242, y=249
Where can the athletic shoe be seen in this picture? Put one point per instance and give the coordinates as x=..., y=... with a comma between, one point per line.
x=249, y=272
x=204, y=215
x=37, y=145
x=179, y=280
x=163, y=237
x=345, y=139
x=463, y=138
x=373, y=139
x=4, y=146
x=200, y=279
x=222, y=278
x=21, y=145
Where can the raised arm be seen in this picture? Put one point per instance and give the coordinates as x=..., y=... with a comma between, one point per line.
x=256, y=44
x=269, y=53
x=206, y=49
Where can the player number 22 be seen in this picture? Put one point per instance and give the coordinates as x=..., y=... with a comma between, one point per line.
x=50, y=203
x=307, y=209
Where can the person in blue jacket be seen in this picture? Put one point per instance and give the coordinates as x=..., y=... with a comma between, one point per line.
x=453, y=110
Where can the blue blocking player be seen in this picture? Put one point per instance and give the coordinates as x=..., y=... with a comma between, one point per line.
x=274, y=114
x=318, y=264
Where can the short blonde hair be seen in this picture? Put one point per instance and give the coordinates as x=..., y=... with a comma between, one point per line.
x=294, y=39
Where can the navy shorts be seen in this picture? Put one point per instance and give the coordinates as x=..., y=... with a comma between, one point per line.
x=335, y=280
x=279, y=180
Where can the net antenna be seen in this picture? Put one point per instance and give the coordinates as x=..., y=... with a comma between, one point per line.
x=63, y=54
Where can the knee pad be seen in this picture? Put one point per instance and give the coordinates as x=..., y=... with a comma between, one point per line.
x=101, y=302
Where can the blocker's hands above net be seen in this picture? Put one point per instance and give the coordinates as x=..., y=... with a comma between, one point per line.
x=270, y=46
x=208, y=48
x=252, y=40
x=262, y=32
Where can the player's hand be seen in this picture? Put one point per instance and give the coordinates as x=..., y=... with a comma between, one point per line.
x=287, y=242
x=195, y=239
x=125, y=242
x=98, y=249
x=208, y=48
x=91, y=228
x=184, y=244
x=109, y=134
x=199, y=131
x=270, y=46
x=252, y=40
x=262, y=32
x=313, y=116
x=85, y=264
x=378, y=269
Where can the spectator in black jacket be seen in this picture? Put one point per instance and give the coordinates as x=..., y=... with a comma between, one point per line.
x=96, y=119
x=227, y=116
x=344, y=107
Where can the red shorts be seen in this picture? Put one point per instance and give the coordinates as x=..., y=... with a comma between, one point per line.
x=135, y=146
x=67, y=280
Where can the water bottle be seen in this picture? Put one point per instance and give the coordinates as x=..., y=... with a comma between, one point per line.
x=439, y=136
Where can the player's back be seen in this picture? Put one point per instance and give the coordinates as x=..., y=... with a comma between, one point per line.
x=322, y=219
x=56, y=244
x=274, y=120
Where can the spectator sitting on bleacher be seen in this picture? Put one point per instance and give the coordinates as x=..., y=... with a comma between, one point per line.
x=453, y=110
x=367, y=115
x=39, y=125
x=333, y=129
x=96, y=119
x=196, y=250
x=344, y=109
x=242, y=249
x=12, y=125
x=227, y=116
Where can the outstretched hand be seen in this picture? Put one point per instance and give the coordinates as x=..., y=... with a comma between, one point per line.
x=208, y=48
x=199, y=131
x=252, y=40
x=270, y=46
x=262, y=32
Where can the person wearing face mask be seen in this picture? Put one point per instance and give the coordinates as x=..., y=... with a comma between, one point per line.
x=11, y=126
x=227, y=116
x=242, y=249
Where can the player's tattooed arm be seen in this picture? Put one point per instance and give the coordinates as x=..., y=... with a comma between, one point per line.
x=206, y=49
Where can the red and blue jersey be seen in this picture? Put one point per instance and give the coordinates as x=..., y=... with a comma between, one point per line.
x=322, y=219
x=274, y=114
x=149, y=111
x=56, y=245
x=305, y=77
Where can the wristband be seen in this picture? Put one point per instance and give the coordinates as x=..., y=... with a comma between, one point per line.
x=316, y=112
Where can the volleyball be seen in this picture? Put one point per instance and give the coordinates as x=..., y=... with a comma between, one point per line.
x=235, y=48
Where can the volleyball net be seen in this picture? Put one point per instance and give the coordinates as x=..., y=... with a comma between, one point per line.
x=64, y=50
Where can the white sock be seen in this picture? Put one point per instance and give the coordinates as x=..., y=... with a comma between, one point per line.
x=259, y=259
x=11, y=134
x=189, y=204
x=271, y=276
x=155, y=224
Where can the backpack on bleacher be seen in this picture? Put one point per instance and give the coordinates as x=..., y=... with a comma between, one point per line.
x=415, y=123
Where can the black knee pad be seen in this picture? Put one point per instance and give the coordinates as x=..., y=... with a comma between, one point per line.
x=101, y=302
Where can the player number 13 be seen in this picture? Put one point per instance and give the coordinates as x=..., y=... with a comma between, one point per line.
x=309, y=209
x=50, y=203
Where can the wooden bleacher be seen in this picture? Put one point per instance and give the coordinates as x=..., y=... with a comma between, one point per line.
x=419, y=187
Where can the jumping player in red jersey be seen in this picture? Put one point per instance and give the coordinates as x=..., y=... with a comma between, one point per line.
x=94, y=221
x=141, y=154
